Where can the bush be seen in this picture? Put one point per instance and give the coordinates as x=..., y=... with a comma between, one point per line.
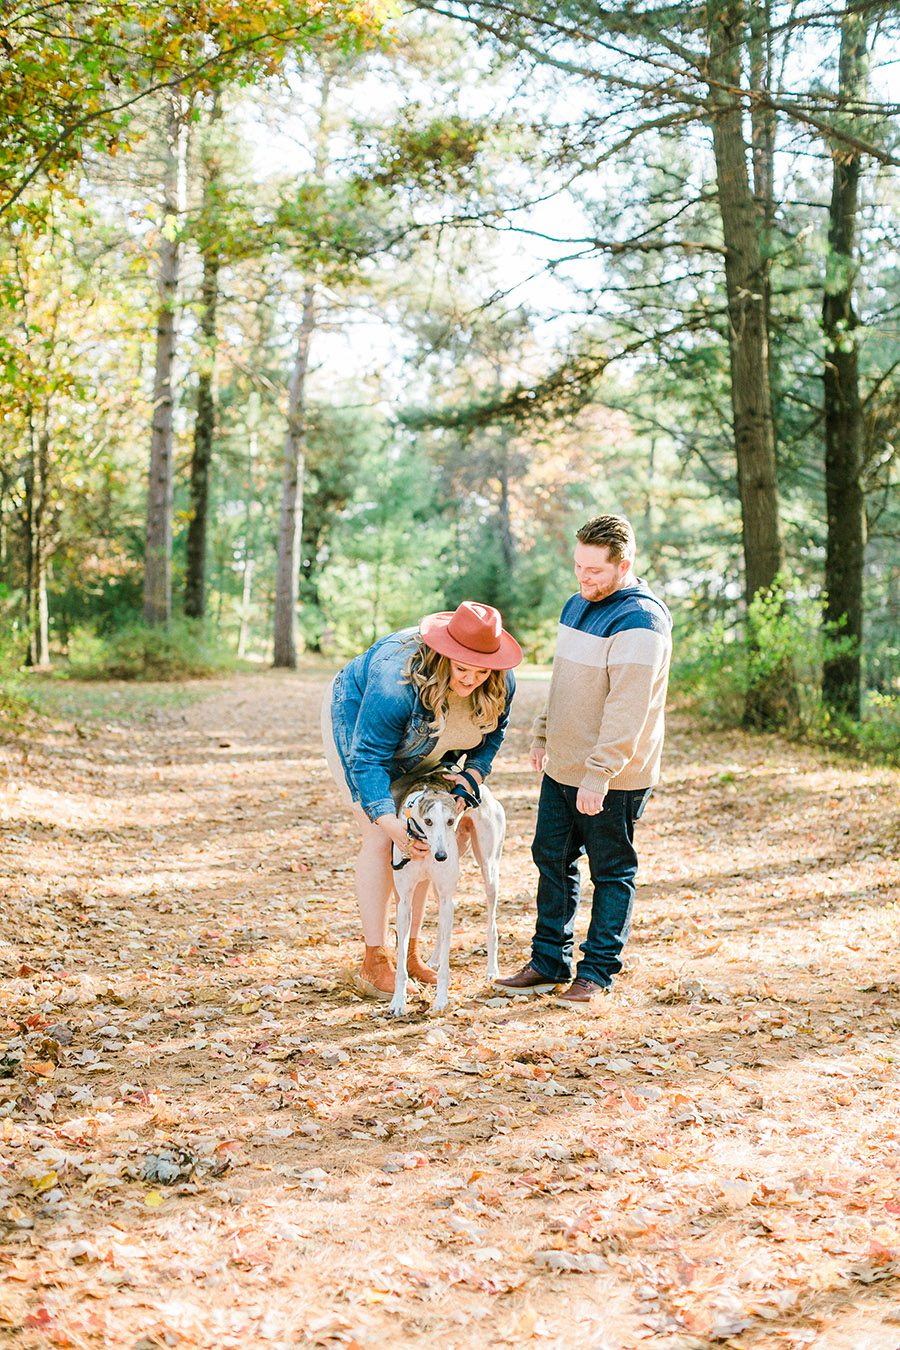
x=718, y=668
x=710, y=671
x=183, y=650
x=14, y=706
x=875, y=738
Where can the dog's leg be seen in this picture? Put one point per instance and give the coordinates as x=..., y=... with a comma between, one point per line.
x=404, y=921
x=445, y=929
x=487, y=845
x=445, y=880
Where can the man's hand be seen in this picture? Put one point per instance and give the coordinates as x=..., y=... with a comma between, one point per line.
x=589, y=803
x=397, y=832
x=538, y=758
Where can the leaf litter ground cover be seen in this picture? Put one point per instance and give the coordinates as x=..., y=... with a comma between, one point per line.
x=206, y=1138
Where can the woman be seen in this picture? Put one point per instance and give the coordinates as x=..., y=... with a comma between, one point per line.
x=416, y=699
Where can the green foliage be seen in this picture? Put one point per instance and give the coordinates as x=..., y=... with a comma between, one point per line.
x=386, y=570
x=14, y=703
x=184, y=650
x=73, y=73
x=783, y=630
x=876, y=738
x=717, y=665
x=482, y=573
x=438, y=154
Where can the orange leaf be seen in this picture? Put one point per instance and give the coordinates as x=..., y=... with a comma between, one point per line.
x=41, y=1068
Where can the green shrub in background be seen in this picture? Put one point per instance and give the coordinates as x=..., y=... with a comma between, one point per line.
x=183, y=650
x=709, y=669
x=875, y=738
x=715, y=667
x=14, y=704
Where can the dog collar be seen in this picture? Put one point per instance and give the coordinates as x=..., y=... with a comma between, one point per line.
x=412, y=829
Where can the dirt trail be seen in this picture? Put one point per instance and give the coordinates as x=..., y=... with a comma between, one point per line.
x=207, y=1139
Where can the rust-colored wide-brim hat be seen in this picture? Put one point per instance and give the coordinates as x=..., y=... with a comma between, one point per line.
x=473, y=635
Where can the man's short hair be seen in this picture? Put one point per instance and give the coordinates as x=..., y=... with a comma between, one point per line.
x=611, y=532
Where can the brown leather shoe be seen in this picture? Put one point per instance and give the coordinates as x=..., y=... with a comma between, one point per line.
x=526, y=981
x=581, y=994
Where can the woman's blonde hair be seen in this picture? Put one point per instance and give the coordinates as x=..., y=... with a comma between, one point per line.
x=429, y=673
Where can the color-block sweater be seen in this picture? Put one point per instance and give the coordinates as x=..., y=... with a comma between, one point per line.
x=604, y=722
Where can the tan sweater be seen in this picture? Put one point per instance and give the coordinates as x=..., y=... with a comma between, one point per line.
x=604, y=721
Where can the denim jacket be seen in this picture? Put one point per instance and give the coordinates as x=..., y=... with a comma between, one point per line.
x=381, y=728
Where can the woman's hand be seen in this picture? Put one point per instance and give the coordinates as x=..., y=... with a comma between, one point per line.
x=398, y=834
x=454, y=778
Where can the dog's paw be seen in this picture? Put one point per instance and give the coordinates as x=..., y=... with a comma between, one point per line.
x=439, y=1005
x=397, y=1008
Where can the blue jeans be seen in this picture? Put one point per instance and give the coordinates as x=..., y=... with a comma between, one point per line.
x=561, y=836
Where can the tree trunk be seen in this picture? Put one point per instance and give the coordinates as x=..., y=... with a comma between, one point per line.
x=249, y=562
x=772, y=701
x=37, y=607
x=507, y=541
x=158, y=546
x=762, y=128
x=246, y=597
x=205, y=423
x=287, y=572
x=290, y=528
x=844, y=494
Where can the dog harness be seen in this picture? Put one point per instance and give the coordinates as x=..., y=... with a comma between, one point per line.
x=470, y=795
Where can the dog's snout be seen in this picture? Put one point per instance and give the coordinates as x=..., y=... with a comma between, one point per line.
x=440, y=856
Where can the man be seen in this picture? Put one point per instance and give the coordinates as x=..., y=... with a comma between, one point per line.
x=598, y=744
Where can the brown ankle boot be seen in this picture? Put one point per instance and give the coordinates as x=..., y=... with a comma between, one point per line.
x=375, y=978
x=417, y=967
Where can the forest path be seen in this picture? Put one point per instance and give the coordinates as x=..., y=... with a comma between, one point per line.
x=207, y=1139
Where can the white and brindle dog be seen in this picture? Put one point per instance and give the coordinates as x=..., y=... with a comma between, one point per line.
x=433, y=814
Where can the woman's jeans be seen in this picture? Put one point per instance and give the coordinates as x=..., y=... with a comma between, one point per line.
x=562, y=835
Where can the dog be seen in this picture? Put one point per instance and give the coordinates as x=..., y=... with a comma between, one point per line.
x=433, y=813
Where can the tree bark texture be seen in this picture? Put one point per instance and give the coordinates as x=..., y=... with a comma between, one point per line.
x=844, y=491
x=158, y=539
x=205, y=422
x=37, y=608
x=751, y=397
x=772, y=701
x=287, y=571
x=762, y=132
x=507, y=541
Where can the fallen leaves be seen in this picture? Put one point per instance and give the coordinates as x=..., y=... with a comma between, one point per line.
x=579, y=1262
x=39, y=1068
x=208, y=1141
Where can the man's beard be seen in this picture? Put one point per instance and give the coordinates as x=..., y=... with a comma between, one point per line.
x=597, y=592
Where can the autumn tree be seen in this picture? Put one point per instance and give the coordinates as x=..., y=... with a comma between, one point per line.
x=75, y=74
